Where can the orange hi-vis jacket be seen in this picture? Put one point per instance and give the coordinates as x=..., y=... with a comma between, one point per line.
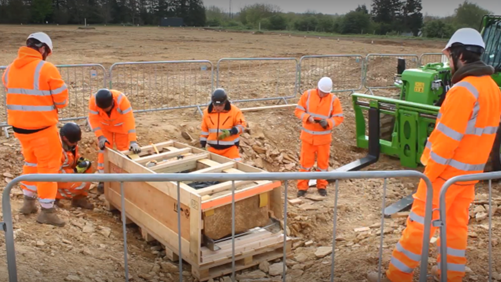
x=328, y=107
x=120, y=120
x=465, y=129
x=69, y=160
x=213, y=122
x=35, y=90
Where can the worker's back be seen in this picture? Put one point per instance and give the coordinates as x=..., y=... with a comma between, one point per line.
x=472, y=112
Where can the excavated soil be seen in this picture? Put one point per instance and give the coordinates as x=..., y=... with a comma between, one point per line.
x=90, y=248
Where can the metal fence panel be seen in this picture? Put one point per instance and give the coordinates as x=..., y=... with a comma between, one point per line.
x=346, y=71
x=164, y=85
x=3, y=93
x=427, y=58
x=180, y=177
x=258, y=79
x=382, y=68
x=82, y=80
x=442, y=224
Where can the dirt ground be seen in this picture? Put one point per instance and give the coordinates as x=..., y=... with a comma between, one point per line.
x=89, y=247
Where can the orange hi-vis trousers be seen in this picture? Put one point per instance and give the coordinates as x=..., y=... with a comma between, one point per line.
x=42, y=152
x=407, y=254
x=231, y=152
x=121, y=140
x=69, y=190
x=307, y=159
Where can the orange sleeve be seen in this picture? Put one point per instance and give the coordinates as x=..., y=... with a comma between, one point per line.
x=4, y=78
x=300, y=111
x=59, y=90
x=451, y=126
x=94, y=119
x=128, y=118
x=204, y=129
x=239, y=121
x=337, y=116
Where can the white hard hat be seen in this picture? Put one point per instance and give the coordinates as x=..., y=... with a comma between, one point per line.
x=42, y=37
x=467, y=36
x=325, y=84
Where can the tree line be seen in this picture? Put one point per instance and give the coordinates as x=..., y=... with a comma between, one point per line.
x=385, y=17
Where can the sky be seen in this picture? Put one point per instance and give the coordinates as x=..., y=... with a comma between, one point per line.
x=431, y=7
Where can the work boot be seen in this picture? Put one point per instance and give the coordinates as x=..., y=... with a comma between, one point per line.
x=322, y=192
x=373, y=277
x=301, y=193
x=82, y=202
x=100, y=188
x=29, y=206
x=49, y=216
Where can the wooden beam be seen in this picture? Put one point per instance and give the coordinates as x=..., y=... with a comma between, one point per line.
x=216, y=168
x=221, y=187
x=168, y=154
x=187, y=160
x=149, y=147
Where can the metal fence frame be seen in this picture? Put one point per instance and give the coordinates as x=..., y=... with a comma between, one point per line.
x=282, y=98
x=198, y=106
x=3, y=124
x=442, y=224
x=362, y=59
x=424, y=55
x=178, y=177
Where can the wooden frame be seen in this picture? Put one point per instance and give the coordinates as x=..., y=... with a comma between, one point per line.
x=205, y=212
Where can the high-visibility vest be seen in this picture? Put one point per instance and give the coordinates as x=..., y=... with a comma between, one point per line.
x=465, y=129
x=328, y=108
x=213, y=122
x=121, y=119
x=35, y=90
x=69, y=160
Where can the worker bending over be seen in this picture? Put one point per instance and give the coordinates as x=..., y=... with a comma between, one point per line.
x=459, y=145
x=320, y=111
x=222, y=125
x=72, y=162
x=35, y=92
x=113, y=123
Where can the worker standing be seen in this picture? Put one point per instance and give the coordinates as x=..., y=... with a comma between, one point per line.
x=112, y=121
x=72, y=162
x=460, y=144
x=320, y=111
x=35, y=92
x=222, y=124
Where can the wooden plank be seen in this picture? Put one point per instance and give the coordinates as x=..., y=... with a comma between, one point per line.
x=175, y=165
x=239, y=241
x=216, y=168
x=209, y=162
x=168, y=154
x=223, y=186
x=144, y=149
x=195, y=228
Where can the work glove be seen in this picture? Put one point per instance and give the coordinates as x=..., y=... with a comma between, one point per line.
x=324, y=123
x=134, y=147
x=203, y=144
x=102, y=142
x=225, y=133
x=83, y=165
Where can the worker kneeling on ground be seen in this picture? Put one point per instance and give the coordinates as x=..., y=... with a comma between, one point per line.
x=72, y=162
x=35, y=92
x=113, y=123
x=460, y=144
x=320, y=111
x=222, y=125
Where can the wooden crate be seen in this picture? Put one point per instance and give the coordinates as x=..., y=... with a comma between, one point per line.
x=205, y=212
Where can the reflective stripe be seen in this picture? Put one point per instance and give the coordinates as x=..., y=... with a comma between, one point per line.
x=100, y=171
x=456, y=252
x=118, y=124
x=36, y=80
x=32, y=92
x=131, y=131
x=100, y=164
x=237, y=159
x=302, y=167
x=93, y=112
x=318, y=116
x=323, y=170
x=204, y=133
x=124, y=111
x=409, y=254
x=217, y=131
x=479, y=131
x=45, y=201
x=81, y=186
x=61, y=103
x=302, y=115
x=449, y=132
x=317, y=132
x=29, y=187
x=104, y=123
x=454, y=267
x=7, y=75
x=30, y=164
x=203, y=138
x=96, y=129
x=59, y=90
x=416, y=218
x=338, y=115
x=300, y=107
x=119, y=99
x=30, y=108
x=453, y=163
x=214, y=142
x=66, y=162
x=101, y=151
x=241, y=128
x=400, y=265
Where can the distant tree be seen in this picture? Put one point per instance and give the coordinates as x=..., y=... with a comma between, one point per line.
x=438, y=28
x=469, y=15
x=40, y=10
x=355, y=22
x=277, y=22
x=388, y=15
x=362, y=9
x=412, y=17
